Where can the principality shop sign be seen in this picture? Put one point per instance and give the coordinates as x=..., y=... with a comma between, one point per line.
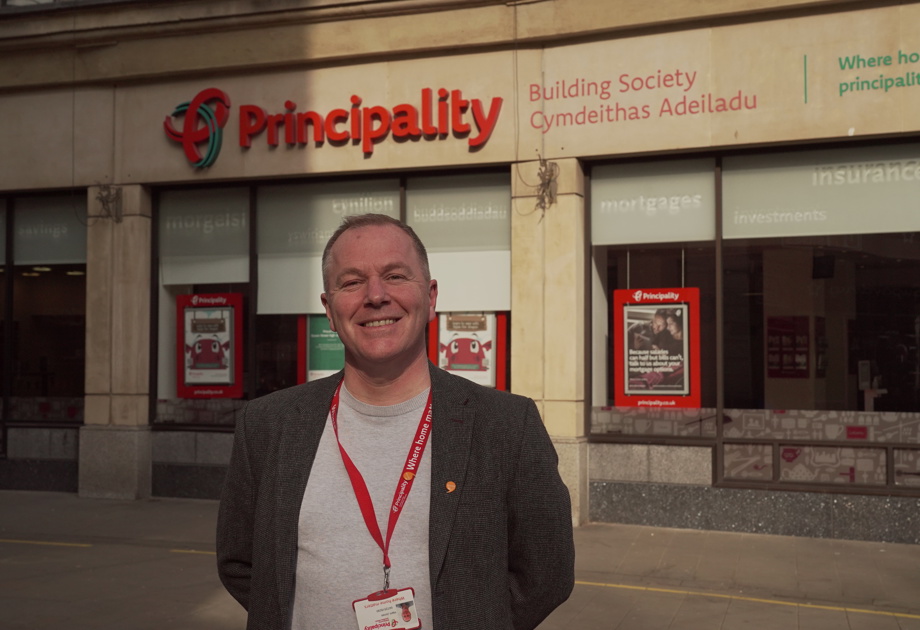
x=198, y=125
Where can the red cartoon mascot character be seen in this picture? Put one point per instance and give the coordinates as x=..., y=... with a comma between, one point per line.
x=465, y=353
x=207, y=354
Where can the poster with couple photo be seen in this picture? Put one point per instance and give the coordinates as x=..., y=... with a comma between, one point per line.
x=656, y=348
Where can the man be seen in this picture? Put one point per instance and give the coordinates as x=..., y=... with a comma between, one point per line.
x=323, y=509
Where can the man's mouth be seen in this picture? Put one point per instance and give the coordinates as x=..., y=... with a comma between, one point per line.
x=379, y=322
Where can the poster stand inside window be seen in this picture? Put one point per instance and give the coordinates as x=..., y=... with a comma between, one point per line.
x=656, y=348
x=473, y=345
x=209, y=345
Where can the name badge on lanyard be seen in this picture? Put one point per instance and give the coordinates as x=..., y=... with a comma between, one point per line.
x=380, y=611
x=387, y=608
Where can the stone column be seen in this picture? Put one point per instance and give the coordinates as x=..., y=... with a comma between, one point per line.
x=548, y=307
x=115, y=451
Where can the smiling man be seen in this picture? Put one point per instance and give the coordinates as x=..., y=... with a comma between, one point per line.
x=392, y=493
x=379, y=298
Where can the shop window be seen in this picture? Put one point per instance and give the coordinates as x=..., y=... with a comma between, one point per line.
x=822, y=296
x=652, y=270
x=47, y=309
x=204, y=254
x=652, y=227
x=823, y=324
x=204, y=251
x=820, y=308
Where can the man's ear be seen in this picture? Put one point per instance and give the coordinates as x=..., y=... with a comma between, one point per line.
x=432, y=299
x=325, y=301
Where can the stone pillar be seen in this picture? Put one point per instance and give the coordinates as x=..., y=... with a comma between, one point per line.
x=115, y=452
x=548, y=309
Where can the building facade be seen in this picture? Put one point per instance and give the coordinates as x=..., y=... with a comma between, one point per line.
x=689, y=231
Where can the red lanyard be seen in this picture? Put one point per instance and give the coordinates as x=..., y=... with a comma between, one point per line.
x=410, y=469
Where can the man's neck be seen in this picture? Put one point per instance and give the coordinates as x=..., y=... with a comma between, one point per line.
x=383, y=387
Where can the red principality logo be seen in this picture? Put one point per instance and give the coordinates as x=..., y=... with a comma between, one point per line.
x=205, y=117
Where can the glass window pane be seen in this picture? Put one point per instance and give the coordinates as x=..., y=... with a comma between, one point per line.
x=276, y=352
x=195, y=411
x=465, y=223
x=653, y=202
x=804, y=316
x=462, y=213
x=295, y=221
x=48, y=345
x=749, y=462
x=50, y=230
x=204, y=249
x=868, y=190
x=653, y=267
x=832, y=465
x=2, y=232
x=821, y=274
x=204, y=236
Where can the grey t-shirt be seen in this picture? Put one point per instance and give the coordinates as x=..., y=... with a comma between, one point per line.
x=337, y=559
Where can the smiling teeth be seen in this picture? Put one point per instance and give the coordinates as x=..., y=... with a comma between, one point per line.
x=382, y=322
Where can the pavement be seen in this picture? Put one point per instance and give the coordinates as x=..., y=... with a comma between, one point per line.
x=91, y=564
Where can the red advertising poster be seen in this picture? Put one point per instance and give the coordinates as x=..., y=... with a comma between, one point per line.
x=656, y=348
x=788, y=347
x=209, y=339
x=471, y=345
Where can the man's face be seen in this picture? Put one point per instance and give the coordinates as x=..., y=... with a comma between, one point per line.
x=378, y=299
x=658, y=324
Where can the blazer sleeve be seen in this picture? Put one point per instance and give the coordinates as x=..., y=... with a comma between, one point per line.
x=235, y=520
x=541, y=554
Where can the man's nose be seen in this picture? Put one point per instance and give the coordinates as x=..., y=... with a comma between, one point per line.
x=376, y=291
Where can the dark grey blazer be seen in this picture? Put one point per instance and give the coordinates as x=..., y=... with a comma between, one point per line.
x=500, y=546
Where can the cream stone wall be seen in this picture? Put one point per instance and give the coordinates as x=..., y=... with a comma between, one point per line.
x=57, y=138
x=118, y=299
x=794, y=66
x=548, y=298
x=115, y=435
x=766, y=81
x=770, y=80
x=98, y=44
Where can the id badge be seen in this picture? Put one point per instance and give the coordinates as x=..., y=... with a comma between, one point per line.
x=392, y=609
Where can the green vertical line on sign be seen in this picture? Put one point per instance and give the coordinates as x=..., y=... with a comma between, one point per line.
x=805, y=76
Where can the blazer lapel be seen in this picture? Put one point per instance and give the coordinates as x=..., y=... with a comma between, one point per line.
x=452, y=428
